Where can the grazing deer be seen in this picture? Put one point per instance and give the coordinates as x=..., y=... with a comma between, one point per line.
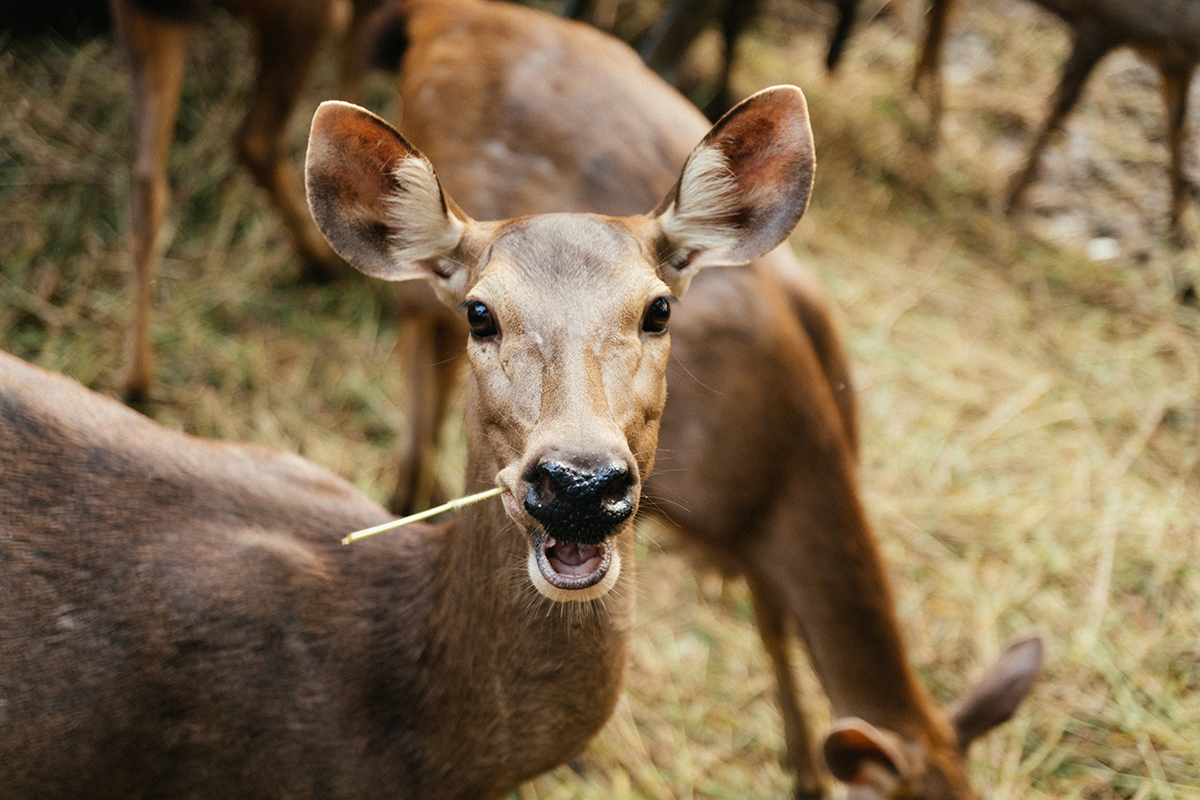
x=758, y=440
x=681, y=22
x=1165, y=32
x=287, y=37
x=177, y=615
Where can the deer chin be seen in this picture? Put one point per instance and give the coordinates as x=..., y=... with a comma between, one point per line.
x=567, y=572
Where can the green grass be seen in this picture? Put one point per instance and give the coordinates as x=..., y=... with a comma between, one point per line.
x=1030, y=430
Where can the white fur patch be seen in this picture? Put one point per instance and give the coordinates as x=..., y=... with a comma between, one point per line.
x=708, y=191
x=423, y=228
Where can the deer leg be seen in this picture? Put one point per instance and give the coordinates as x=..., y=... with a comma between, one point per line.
x=430, y=344
x=155, y=48
x=673, y=32
x=1090, y=45
x=771, y=617
x=847, y=11
x=733, y=20
x=1175, y=85
x=601, y=14
x=574, y=9
x=287, y=48
x=927, y=77
x=351, y=66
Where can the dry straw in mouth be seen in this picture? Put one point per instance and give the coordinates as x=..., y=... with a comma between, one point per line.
x=453, y=505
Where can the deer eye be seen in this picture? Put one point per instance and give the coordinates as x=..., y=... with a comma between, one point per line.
x=479, y=318
x=657, y=316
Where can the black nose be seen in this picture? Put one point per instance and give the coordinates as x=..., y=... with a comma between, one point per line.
x=579, y=506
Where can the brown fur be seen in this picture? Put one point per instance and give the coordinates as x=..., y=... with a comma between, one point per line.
x=179, y=620
x=757, y=457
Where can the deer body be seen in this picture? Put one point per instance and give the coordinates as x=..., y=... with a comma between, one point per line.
x=189, y=624
x=757, y=443
x=178, y=618
x=680, y=22
x=1165, y=32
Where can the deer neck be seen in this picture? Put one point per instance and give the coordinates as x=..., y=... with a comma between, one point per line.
x=487, y=683
x=849, y=605
x=529, y=681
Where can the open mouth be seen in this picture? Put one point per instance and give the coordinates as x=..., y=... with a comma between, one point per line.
x=569, y=565
x=572, y=572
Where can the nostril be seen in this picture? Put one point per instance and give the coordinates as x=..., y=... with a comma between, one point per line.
x=550, y=486
x=541, y=491
x=619, y=491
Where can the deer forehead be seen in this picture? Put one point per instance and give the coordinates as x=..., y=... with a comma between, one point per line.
x=569, y=274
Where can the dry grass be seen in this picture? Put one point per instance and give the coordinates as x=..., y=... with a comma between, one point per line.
x=1030, y=415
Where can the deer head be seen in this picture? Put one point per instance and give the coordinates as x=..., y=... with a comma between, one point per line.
x=878, y=764
x=568, y=313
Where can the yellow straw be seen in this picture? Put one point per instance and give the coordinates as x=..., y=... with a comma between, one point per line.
x=451, y=506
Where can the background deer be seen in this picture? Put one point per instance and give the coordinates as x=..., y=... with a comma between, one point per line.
x=680, y=22
x=757, y=464
x=1165, y=32
x=178, y=617
x=287, y=38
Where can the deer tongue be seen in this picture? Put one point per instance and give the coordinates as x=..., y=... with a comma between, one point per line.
x=571, y=565
x=573, y=559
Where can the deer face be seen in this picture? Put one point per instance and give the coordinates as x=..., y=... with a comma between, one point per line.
x=568, y=353
x=568, y=312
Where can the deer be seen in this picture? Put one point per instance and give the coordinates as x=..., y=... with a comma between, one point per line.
x=178, y=617
x=1165, y=32
x=287, y=39
x=681, y=22
x=758, y=440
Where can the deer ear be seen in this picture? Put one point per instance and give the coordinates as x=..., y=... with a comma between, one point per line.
x=861, y=755
x=995, y=698
x=743, y=189
x=378, y=201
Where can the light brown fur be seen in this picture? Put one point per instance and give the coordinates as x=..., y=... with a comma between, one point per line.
x=180, y=620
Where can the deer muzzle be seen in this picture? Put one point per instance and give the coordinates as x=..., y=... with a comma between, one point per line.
x=577, y=510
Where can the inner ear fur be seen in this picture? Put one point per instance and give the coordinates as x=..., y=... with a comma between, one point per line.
x=744, y=187
x=377, y=199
